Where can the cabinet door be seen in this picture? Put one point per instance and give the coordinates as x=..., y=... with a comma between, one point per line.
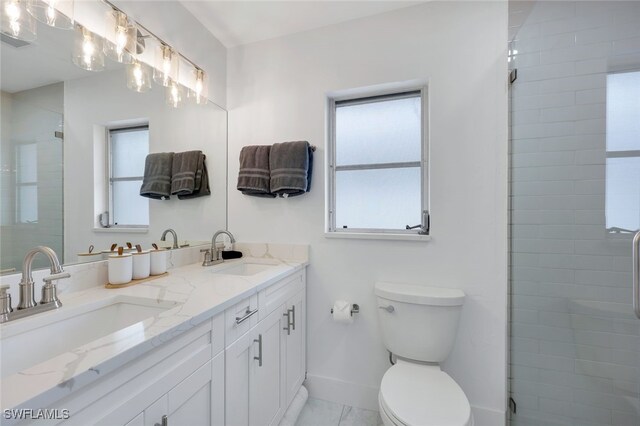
x=266, y=393
x=254, y=389
x=199, y=399
x=238, y=362
x=294, y=335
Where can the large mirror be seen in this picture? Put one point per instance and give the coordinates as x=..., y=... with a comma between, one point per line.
x=72, y=150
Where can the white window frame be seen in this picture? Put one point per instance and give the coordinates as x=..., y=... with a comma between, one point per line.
x=367, y=97
x=617, y=231
x=110, y=179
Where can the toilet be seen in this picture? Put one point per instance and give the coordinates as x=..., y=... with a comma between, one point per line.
x=419, y=326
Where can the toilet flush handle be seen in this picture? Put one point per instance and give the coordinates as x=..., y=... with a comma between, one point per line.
x=389, y=308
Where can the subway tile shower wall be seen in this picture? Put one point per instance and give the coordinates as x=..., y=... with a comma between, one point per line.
x=575, y=344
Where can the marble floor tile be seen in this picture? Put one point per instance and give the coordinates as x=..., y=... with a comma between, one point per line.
x=352, y=416
x=317, y=412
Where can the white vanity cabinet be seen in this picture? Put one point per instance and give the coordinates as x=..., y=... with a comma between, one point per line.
x=182, y=379
x=266, y=366
x=241, y=367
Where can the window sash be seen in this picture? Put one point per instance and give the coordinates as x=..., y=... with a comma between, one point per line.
x=333, y=105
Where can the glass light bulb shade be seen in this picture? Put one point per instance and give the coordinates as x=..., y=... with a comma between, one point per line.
x=166, y=65
x=17, y=22
x=199, y=93
x=55, y=13
x=87, y=50
x=121, y=37
x=138, y=77
x=174, y=94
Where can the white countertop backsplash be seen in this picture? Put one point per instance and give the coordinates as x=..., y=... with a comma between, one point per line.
x=198, y=291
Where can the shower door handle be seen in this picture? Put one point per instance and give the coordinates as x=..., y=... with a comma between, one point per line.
x=635, y=253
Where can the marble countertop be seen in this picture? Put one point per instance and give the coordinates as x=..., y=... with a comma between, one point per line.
x=198, y=294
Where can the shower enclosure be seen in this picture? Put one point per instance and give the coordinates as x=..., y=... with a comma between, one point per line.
x=31, y=151
x=575, y=207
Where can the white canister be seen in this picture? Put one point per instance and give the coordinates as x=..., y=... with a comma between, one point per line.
x=120, y=268
x=158, y=261
x=141, y=264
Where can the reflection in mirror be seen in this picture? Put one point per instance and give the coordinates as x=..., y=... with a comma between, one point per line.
x=72, y=151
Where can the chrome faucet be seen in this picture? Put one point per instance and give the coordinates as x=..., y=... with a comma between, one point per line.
x=209, y=253
x=173, y=234
x=27, y=305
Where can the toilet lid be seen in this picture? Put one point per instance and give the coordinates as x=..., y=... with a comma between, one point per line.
x=421, y=395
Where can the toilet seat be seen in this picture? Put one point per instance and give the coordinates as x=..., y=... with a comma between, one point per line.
x=423, y=395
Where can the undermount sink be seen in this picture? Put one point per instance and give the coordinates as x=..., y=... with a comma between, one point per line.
x=33, y=340
x=245, y=269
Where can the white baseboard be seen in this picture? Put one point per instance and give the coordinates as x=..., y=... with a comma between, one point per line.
x=488, y=417
x=346, y=393
x=355, y=395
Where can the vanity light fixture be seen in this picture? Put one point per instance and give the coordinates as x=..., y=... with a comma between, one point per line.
x=174, y=94
x=16, y=22
x=166, y=65
x=199, y=93
x=138, y=77
x=55, y=13
x=87, y=50
x=121, y=38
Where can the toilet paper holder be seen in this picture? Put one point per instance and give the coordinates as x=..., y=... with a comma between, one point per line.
x=355, y=309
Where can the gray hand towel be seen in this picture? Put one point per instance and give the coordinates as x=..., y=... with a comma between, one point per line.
x=184, y=171
x=254, y=176
x=201, y=185
x=156, y=182
x=291, y=167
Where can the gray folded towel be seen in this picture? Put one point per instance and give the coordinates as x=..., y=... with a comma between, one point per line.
x=254, y=176
x=291, y=166
x=184, y=172
x=156, y=182
x=201, y=184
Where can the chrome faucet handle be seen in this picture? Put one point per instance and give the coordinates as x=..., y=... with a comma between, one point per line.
x=50, y=290
x=5, y=301
x=207, y=257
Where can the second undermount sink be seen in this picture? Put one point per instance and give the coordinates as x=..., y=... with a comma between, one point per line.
x=245, y=269
x=60, y=331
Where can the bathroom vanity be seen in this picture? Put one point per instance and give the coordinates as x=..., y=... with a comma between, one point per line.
x=217, y=345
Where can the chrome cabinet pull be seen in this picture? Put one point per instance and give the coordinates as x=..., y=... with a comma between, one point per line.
x=635, y=253
x=247, y=314
x=389, y=308
x=293, y=313
x=291, y=324
x=259, y=357
x=165, y=421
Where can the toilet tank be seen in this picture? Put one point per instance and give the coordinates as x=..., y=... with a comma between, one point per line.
x=418, y=323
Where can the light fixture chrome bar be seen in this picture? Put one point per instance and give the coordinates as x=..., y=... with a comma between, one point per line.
x=152, y=34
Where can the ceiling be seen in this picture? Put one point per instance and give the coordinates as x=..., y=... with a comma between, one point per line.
x=46, y=61
x=240, y=22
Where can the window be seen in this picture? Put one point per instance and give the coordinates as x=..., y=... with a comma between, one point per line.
x=377, y=165
x=623, y=152
x=27, y=183
x=127, y=150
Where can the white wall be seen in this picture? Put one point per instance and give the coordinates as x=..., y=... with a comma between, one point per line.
x=103, y=99
x=277, y=91
x=178, y=27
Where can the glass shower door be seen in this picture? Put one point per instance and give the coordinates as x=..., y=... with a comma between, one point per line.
x=575, y=207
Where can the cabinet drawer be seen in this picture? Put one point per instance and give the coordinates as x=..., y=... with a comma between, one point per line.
x=240, y=318
x=272, y=297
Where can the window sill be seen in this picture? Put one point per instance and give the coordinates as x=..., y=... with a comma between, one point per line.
x=372, y=236
x=121, y=230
